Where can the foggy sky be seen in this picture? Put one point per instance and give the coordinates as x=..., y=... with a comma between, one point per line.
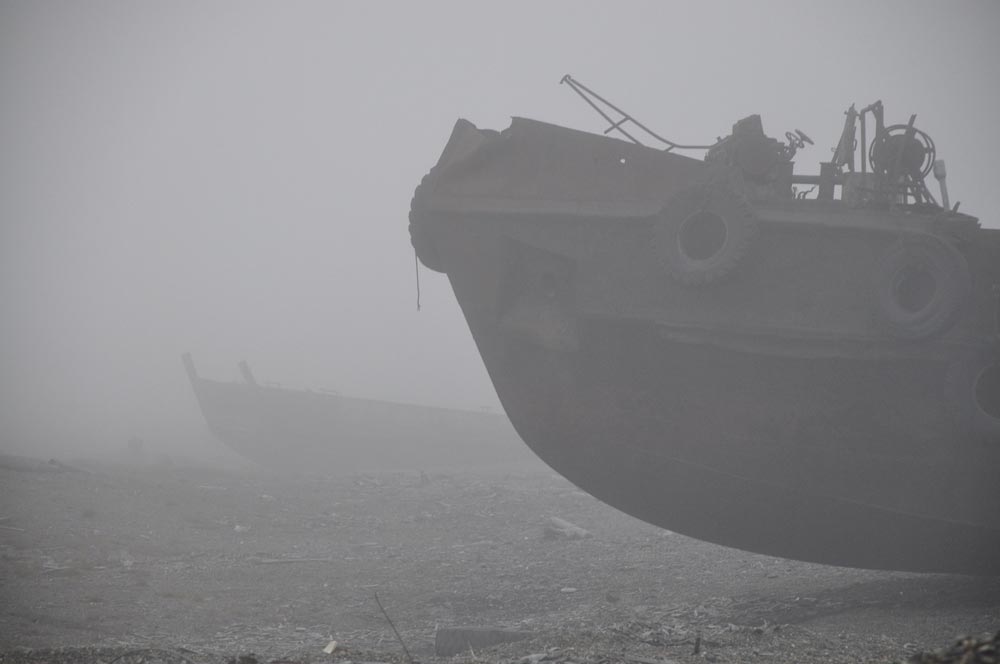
x=233, y=178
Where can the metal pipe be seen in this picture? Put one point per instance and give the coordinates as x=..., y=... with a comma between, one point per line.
x=614, y=125
x=578, y=86
x=864, y=142
x=941, y=174
x=836, y=179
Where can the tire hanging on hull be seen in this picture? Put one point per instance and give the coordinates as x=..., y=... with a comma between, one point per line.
x=920, y=287
x=419, y=235
x=972, y=388
x=703, y=234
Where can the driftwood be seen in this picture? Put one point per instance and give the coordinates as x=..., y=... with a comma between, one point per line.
x=285, y=561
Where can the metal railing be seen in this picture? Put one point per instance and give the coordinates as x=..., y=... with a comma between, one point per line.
x=592, y=99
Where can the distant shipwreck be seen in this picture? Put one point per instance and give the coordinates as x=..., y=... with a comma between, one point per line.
x=325, y=433
x=805, y=366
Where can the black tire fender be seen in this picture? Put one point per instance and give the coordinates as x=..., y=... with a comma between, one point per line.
x=419, y=234
x=972, y=389
x=703, y=233
x=921, y=285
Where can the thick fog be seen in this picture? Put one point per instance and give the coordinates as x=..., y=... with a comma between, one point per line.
x=233, y=179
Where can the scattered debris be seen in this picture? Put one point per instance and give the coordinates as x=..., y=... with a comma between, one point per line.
x=557, y=528
x=244, y=659
x=640, y=599
x=966, y=650
x=330, y=647
x=537, y=658
x=152, y=656
x=450, y=641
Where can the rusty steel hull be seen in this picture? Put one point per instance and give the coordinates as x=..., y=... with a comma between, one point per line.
x=780, y=411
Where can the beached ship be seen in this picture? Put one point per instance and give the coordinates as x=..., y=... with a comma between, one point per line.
x=804, y=366
x=326, y=433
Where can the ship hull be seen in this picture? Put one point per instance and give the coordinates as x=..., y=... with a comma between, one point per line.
x=831, y=459
x=320, y=433
x=796, y=401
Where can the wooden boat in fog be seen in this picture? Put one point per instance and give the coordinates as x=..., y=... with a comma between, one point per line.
x=325, y=433
x=709, y=346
